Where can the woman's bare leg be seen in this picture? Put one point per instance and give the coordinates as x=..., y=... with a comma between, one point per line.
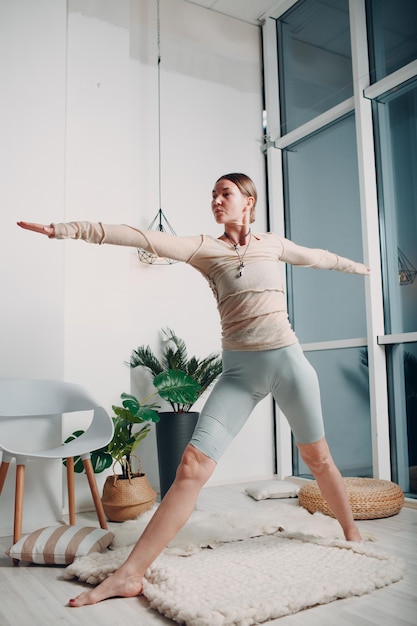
x=173, y=512
x=320, y=462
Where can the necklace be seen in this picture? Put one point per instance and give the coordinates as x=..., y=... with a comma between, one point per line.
x=235, y=246
x=240, y=240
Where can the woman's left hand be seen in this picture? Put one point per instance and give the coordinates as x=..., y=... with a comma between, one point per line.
x=43, y=229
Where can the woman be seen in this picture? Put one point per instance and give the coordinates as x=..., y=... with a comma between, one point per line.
x=261, y=355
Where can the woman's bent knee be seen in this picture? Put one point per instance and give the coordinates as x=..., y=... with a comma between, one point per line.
x=195, y=466
x=316, y=456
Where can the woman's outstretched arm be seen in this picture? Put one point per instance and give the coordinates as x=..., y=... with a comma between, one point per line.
x=319, y=259
x=158, y=243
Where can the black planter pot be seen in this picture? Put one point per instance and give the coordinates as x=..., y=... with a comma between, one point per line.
x=173, y=432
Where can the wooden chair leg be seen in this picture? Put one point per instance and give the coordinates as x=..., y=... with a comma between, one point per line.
x=71, y=490
x=95, y=493
x=18, y=502
x=3, y=473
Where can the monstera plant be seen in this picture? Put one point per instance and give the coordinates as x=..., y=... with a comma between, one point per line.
x=132, y=421
x=129, y=493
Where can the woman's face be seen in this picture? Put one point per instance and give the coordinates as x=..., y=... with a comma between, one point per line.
x=229, y=205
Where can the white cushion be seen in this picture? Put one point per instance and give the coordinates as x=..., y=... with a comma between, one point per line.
x=59, y=545
x=272, y=489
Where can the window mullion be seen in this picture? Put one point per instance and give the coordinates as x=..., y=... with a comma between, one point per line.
x=369, y=213
x=319, y=122
x=393, y=81
x=283, y=443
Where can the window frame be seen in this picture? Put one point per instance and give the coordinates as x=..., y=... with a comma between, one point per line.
x=275, y=142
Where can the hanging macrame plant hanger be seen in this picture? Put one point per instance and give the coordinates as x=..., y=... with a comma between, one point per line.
x=406, y=271
x=160, y=222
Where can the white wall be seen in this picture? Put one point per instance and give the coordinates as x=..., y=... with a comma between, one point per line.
x=32, y=152
x=81, y=130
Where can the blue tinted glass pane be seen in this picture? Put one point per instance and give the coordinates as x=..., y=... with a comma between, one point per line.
x=343, y=376
x=322, y=211
x=392, y=33
x=402, y=372
x=315, y=67
x=397, y=140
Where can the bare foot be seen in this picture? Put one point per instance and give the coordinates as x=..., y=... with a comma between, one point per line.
x=353, y=535
x=117, y=585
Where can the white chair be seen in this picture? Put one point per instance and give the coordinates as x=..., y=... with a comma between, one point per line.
x=25, y=401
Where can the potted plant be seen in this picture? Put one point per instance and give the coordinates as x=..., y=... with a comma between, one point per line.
x=175, y=428
x=128, y=494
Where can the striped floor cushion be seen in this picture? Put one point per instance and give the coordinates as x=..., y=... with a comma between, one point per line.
x=60, y=545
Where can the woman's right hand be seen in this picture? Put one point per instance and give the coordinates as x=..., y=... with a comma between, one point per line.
x=43, y=229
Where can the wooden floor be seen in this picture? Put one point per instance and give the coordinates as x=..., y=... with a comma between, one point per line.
x=37, y=596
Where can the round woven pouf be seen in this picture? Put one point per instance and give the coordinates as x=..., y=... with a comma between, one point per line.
x=369, y=498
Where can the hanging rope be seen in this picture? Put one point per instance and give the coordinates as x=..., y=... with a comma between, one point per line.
x=158, y=47
x=159, y=222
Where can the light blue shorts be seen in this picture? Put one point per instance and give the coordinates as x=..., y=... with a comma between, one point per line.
x=247, y=378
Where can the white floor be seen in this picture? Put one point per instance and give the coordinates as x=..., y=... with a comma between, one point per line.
x=37, y=596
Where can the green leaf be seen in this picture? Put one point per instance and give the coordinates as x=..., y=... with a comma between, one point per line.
x=177, y=386
x=101, y=460
x=135, y=413
x=75, y=434
x=149, y=415
x=130, y=403
x=78, y=465
x=145, y=357
x=120, y=411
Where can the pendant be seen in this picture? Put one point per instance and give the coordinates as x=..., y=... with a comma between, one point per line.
x=241, y=268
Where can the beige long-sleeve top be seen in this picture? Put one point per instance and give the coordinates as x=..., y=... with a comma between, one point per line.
x=253, y=308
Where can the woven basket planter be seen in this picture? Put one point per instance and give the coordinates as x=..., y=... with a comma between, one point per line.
x=125, y=499
x=369, y=498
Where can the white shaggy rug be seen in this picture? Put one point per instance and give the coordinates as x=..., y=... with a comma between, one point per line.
x=242, y=571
